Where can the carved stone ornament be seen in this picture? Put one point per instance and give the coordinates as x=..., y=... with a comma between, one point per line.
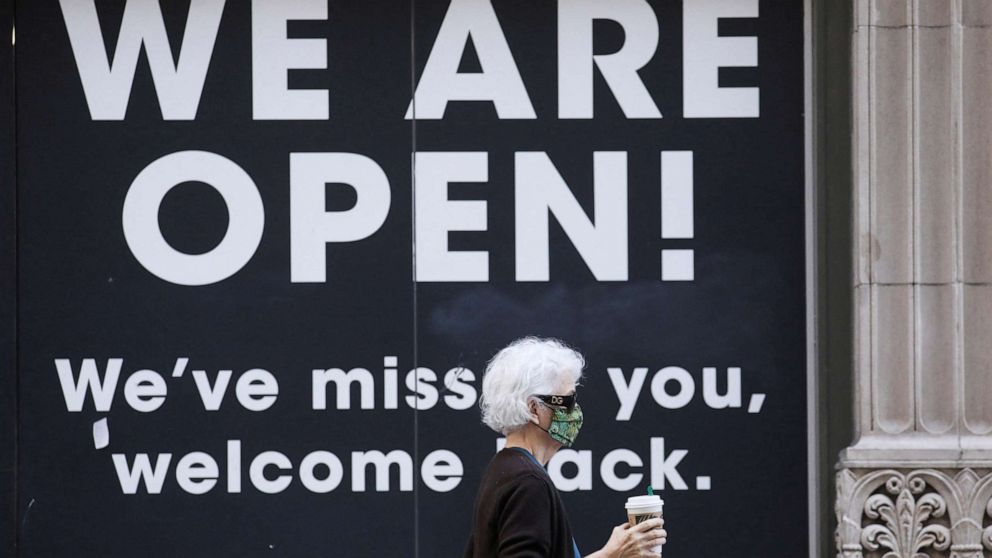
x=923, y=513
x=987, y=534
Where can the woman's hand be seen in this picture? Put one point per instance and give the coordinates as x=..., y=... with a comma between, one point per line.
x=636, y=541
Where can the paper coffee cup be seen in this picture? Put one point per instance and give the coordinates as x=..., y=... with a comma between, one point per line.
x=643, y=508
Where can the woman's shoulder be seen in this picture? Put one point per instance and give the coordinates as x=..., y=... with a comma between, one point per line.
x=514, y=466
x=517, y=458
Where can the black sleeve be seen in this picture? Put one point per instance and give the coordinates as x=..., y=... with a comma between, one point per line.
x=525, y=520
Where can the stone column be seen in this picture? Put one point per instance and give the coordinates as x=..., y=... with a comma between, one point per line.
x=917, y=479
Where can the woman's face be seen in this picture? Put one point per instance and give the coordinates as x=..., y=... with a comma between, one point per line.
x=564, y=386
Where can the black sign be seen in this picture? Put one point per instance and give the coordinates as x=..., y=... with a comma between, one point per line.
x=266, y=248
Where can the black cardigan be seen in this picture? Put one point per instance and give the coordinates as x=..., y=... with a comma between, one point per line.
x=518, y=512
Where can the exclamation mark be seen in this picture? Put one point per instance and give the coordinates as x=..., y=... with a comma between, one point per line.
x=676, y=214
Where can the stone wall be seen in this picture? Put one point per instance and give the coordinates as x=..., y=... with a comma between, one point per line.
x=917, y=479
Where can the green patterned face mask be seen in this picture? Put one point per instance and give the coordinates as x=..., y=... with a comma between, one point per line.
x=565, y=423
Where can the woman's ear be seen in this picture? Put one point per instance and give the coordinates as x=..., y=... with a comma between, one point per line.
x=534, y=414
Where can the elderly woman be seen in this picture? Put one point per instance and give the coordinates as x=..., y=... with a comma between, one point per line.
x=528, y=394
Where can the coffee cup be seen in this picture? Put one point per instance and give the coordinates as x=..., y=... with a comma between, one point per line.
x=643, y=508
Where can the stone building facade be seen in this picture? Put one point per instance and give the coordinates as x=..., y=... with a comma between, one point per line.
x=917, y=478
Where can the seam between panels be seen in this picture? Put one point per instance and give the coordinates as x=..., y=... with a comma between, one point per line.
x=17, y=283
x=413, y=272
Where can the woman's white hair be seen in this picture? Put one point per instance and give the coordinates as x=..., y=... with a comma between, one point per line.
x=528, y=366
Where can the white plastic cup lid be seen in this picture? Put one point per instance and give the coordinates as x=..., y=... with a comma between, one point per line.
x=644, y=502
